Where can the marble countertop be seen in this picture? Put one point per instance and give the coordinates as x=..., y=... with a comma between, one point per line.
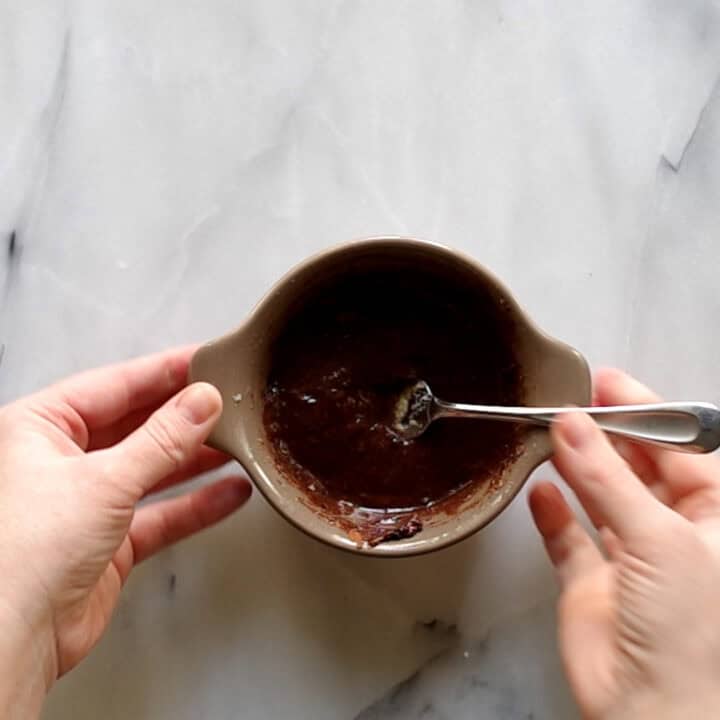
x=162, y=163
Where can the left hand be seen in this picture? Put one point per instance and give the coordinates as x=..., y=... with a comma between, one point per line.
x=75, y=459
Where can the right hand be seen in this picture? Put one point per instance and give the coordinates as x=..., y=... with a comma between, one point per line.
x=639, y=630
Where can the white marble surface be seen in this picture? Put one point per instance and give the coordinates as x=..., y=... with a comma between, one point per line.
x=152, y=153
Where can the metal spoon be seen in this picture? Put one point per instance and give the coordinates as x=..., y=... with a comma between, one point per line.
x=685, y=426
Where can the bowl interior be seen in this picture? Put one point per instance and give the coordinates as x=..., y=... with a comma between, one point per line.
x=238, y=365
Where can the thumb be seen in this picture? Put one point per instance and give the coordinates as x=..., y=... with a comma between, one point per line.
x=167, y=440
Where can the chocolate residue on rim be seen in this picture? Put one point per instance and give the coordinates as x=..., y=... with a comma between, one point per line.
x=338, y=366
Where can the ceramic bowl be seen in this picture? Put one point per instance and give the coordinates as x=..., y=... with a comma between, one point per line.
x=238, y=364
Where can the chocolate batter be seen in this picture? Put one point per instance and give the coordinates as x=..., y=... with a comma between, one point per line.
x=338, y=366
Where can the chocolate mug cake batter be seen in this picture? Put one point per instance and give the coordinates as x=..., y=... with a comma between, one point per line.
x=338, y=366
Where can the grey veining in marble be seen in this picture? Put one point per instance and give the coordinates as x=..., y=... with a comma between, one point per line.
x=151, y=153
x=510, y=674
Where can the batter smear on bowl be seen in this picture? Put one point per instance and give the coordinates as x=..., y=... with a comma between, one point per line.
x=339, y=363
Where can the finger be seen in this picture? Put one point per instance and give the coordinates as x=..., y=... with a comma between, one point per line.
x=106, y=436
x=678, y=473
x=169, y=440
x=611, y=542
x=615, y=387
x=602, y=481
x=123, y=560
x=160, y=524
x=205, y=460
x=642, y=465
x=103, y=396
x=569, y=547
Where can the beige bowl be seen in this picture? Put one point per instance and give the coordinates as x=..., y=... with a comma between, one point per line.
x=238, y=363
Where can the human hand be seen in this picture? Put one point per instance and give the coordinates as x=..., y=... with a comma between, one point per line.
x=75, y=459
x=639, y=632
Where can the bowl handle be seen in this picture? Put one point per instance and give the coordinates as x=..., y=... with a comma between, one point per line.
x=222, y=363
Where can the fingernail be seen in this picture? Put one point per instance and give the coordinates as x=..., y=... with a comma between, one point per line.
x=198, y=403
x=577, y=429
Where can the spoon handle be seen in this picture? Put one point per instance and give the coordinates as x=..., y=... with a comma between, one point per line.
x=686, y=426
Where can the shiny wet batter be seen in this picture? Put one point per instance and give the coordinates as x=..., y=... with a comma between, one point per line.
x=339, y=364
